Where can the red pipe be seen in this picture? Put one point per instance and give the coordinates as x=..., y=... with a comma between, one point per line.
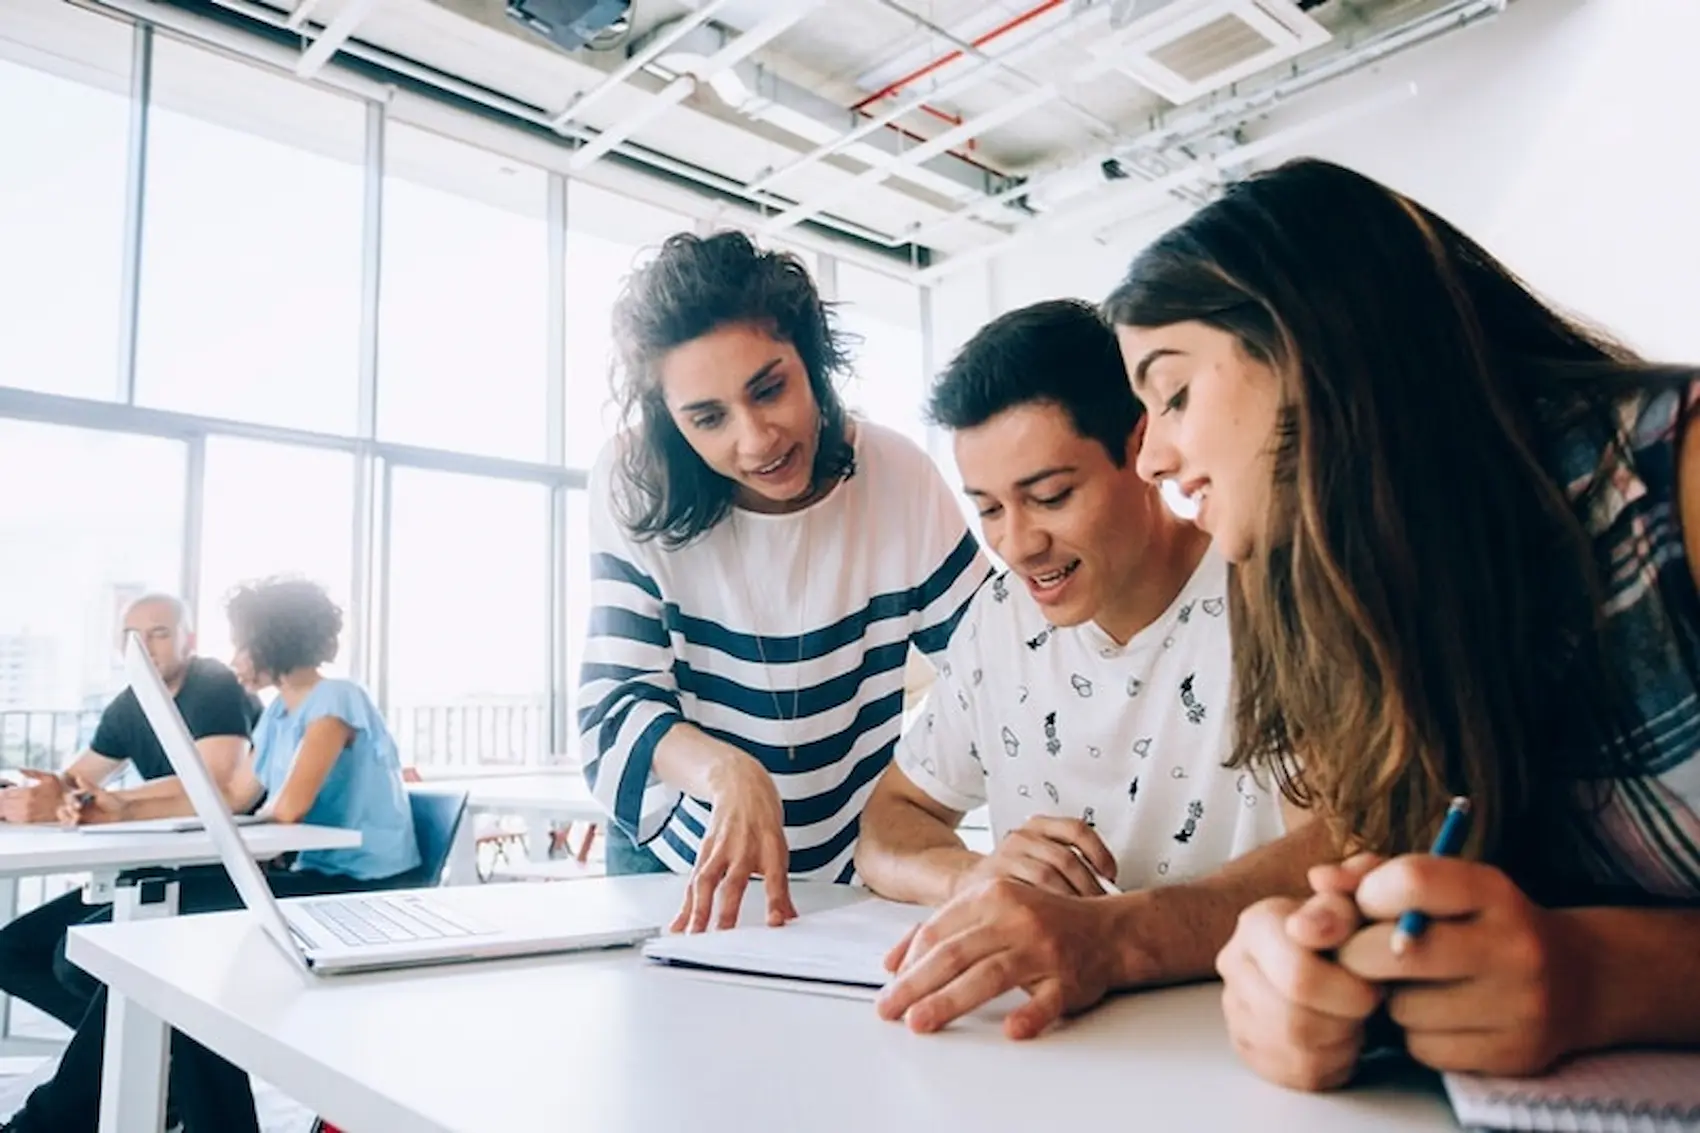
x=944, y=60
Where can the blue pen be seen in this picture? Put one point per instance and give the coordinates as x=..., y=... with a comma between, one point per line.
x=1446, y=844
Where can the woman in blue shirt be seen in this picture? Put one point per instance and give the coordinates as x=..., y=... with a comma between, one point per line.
x=322, y=755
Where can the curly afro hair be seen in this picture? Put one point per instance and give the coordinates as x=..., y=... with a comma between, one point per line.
x=284, y=624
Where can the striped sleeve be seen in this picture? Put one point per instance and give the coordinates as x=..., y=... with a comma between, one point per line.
x=956, y=569
x=628, y=697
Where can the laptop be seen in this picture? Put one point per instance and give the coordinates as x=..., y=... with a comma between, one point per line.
x=378, y=931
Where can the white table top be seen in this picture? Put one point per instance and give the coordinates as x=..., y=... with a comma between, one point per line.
x=560, y=794
x=31, y=850
x=610, y=1043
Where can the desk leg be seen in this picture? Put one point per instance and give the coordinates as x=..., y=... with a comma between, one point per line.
x=9, y=910
x=463, y=855
x=132, y=1094
x=538, y=831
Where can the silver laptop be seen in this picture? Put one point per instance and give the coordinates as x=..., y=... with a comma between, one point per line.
x=376, y=931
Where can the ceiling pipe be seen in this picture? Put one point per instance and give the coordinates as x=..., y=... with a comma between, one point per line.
x=950, y=57
x=636, y=62
x=224, y=37
x=971, y=48
x=951, y=87
x=1213, y=120
x=681, y=88
x=336, y=33
x=1014, y=108
x=1125, y=198
x=756, y=92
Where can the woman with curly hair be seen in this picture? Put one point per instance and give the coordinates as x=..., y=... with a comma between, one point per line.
x=321, y=748
x=761, y=563
x=322, y=754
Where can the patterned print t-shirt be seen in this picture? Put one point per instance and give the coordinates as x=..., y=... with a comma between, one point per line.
x=1033, y=719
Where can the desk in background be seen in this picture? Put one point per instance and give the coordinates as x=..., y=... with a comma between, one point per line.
x=44, y=850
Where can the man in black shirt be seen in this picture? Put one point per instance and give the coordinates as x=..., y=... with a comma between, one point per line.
x=220, y=714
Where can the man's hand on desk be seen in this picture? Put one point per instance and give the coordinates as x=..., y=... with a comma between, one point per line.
x=87, y=802
x=997, y=936
x=1058, y=854
x=37, y=800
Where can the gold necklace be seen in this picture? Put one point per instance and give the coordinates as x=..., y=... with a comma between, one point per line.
x=761, y=648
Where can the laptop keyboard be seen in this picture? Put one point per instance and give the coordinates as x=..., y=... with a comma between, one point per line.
x=385, y=920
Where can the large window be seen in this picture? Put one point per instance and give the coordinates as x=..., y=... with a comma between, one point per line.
x=64, y=128
x=607, y=237
x=100, y=524
x=274, y=510
x=468, y=618
x=885, y=312
x=254, y=319
x=464, y=338
x=250, y=287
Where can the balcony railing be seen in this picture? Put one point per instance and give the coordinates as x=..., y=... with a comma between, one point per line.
x=505, y=733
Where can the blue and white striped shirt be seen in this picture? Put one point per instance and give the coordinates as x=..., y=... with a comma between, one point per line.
x=783, y=635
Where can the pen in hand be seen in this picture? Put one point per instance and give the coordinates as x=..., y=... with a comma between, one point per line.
x=1447, y=843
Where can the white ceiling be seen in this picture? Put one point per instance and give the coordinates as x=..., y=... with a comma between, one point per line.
x=840, y=53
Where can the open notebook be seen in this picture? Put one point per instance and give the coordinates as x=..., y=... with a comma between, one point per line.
x=1614, y=1092
x=845, y=946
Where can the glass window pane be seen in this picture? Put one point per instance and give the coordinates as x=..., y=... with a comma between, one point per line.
x=463, y=329
x=62, y=208
x=467, y=653
x=274, y=509
x=101, y=524
x=607, y=237
x=886, y=312
x=578, y=600
x=250, y=287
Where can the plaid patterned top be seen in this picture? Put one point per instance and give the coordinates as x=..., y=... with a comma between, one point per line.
x=1649, y=828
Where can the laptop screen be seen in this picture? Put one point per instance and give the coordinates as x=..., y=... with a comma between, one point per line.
x=208, y=801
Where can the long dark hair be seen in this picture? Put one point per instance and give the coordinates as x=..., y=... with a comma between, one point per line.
x=694, y=286
x=1420, y=617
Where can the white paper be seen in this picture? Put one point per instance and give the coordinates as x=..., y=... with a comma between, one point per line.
x=846, y=945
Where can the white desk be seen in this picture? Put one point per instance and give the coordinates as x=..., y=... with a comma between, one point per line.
x=29, y=851
x=540, y=797
x=44, y=849
x=606, y=1043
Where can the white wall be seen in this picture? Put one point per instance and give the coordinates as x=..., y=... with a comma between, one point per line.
x=1561, y=135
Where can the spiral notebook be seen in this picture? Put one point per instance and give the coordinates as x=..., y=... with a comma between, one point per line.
x=1615, y=1092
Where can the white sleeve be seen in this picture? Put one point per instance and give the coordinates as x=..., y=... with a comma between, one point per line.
x=628, y=698
x=938, y=751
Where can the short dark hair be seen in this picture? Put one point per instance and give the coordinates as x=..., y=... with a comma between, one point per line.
x=1060, y=352
x=695, y=286
x=284, y=624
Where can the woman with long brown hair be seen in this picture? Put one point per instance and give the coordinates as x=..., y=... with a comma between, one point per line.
x=1461, y=568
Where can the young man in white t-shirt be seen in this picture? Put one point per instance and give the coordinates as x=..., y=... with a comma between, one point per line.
x=1084, y=699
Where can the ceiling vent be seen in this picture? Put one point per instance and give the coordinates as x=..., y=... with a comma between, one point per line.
x=1188, y=48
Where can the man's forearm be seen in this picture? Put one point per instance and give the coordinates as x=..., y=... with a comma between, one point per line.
x=1642, y=975
x=1172, y=934
x=906, y=854
x=158, y=798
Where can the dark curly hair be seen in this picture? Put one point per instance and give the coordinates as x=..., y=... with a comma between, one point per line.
x=284, y=624
x=693, y=287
